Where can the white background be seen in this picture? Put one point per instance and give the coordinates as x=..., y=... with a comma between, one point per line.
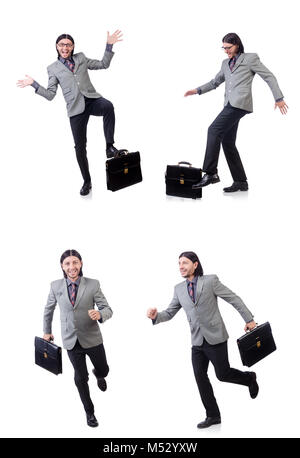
x=130, y=240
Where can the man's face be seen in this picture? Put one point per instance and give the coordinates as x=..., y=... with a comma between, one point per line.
x=230, y=49
x=65, y=48
x=71, y=266
x=187, y=267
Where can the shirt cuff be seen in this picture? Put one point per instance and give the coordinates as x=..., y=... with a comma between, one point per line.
x=279, y=100
x=108, y=47
x=35, y=85
x=199, y=90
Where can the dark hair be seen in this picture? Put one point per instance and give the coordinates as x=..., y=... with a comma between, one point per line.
x=234, y=39
x=68, y=253
x=194, y=258
x=66, y=36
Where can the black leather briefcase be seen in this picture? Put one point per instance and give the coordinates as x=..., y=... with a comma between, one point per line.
x=48, y=355
x=179, y=180
x=256, y=344
x=123, y=170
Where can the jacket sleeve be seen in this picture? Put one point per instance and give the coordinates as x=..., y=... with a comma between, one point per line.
x=257, y=67
x=51, y=90
x=102, y=304
x=94, y=64
x=170, y=312
x=49, y=311
x=225, y=293
x=213, y=84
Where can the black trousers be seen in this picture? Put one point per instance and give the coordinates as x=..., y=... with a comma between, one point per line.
x=78, y=358
x=218, y=355
x=223, y=131
x=95, y=107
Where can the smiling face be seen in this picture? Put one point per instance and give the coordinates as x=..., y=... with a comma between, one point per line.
x=65, y=48
x=230, y=49
x=187, y=267
x=71, y=266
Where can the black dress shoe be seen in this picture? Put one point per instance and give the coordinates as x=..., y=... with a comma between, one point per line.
x=253, y=387
x=85, y=190
x=91, y=420
x=111, y=151
x=205, y=180
x=101, y=382
x=237, y=186
x=209, y=421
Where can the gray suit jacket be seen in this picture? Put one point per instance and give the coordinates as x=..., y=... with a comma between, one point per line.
x=204, y=316
x=75, y=85
x=238, y=83
x=75, y=321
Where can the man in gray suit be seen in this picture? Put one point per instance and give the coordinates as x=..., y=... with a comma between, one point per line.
x=70, y=71
x=76, y=296
x=198, y=296
x=238, y=72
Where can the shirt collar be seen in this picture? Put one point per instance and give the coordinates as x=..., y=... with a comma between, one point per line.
x=77, y=282
x=65, y=60
x=235, y=58
x=194, y=281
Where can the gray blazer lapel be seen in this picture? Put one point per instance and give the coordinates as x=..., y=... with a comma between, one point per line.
x=199, y=289
x=60, y=66
x=76, y=61
x=82, y=286
x=64, y=290
x=238, y=62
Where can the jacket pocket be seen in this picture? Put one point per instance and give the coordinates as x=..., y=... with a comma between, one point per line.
x=68, y=95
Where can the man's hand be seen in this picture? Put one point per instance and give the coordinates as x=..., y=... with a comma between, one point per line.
x=152, y=313
x=94, y=314
x=26, y=82
x=250, y=326
x=115, y=37
x=48, y=337
x=282, y=106
x=191, y=92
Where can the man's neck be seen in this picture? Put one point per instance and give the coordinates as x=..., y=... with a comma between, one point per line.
x=191, y=277
x=73, y=280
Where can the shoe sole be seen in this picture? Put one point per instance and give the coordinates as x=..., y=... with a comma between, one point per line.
x=212, y=424
x=243, y=190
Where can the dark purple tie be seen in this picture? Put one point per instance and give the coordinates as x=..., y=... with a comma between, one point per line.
x=72, y=295
x=232, y=63
x=191, y=290
x=70, y=65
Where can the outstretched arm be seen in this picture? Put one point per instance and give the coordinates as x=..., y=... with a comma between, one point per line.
x=167, y=314
x=28, y=81
x=213, y=84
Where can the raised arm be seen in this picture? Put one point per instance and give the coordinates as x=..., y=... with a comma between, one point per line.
x=95, y=64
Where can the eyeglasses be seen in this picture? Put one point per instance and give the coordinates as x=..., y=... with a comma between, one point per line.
x=226, y=48
x=67, y=45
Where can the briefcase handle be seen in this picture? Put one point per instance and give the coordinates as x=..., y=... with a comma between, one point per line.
x=184, y=162
x=122, y=152
x=250, y=330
